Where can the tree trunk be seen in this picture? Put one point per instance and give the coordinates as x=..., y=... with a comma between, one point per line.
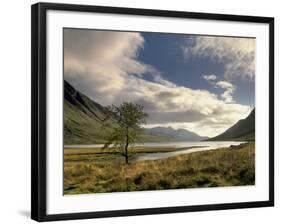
x=126, y=149
x=126, y=159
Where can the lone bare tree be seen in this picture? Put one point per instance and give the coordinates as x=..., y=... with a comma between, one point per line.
x=126, y=128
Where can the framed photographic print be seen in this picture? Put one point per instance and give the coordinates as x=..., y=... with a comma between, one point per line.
x=139, y=111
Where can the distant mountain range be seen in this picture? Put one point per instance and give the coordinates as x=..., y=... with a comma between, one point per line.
x=83, y=119
x=176, y=134
x=243, y=130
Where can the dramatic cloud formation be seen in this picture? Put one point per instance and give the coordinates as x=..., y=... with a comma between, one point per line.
x=104, y=66
x=99, y=61
x=236, y=54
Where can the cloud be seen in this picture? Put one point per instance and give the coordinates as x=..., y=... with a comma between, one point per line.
x=104, y=66
x=209, y=77
x=227, y=95
x=224, y=85
x=228, y=91
x=236, y=54
x=99, y=61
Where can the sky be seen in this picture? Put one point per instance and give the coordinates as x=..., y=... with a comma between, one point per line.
x=203, y=84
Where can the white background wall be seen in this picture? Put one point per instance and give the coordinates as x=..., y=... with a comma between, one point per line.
x=15, y=110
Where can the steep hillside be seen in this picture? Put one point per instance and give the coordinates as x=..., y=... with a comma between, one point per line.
x=243, y=130
x=82, y=118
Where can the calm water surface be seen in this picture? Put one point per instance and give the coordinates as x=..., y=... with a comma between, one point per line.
x=184, y=148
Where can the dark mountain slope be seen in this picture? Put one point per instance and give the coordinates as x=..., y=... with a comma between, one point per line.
x=82, y=118
x=243, y=130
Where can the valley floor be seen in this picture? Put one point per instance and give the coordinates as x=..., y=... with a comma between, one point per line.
x=94, y=170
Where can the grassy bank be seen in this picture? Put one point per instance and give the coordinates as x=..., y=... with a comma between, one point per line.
x=106, y=172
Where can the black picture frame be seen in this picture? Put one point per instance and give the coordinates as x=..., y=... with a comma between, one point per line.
x=39, y=122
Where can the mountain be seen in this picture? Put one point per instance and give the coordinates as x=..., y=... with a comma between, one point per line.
x=176, y=134
x=243, y=130
x=82, y=118
x=83, y=122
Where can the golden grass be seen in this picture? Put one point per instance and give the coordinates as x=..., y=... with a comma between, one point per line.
x=93, y=173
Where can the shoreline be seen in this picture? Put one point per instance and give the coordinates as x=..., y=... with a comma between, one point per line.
x=138, y=150
x=140, y=153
